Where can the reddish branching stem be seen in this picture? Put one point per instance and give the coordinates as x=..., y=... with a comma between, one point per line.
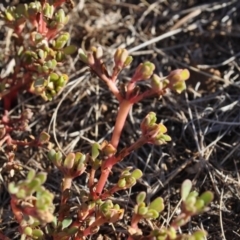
x=123, y=111
x=110, y=162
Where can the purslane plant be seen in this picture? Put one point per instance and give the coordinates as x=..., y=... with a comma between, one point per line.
x=96, y=207
x=32, y=204
x=128, y=95
x=33, y=208
x=40, y=47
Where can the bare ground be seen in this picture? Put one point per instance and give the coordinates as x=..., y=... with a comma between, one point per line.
x=203, y=122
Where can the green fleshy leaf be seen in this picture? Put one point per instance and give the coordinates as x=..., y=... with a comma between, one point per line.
x=37, y=233
x=80, y=168
x=80, y=158
x=185, y=189
x=137, y=173
x=51, y=154
x=207, y=197
x=54, y=76
x=82, y=55
x=116, y=207
x=199, y=204
x=141, y=197
x=166, y=138
x=122, y=183
x=51, y=64
x=33, y=185
x=190, y=201
x=66, y=223
x=156, y=83
x=44, y=137
x=69, y=50
x=12, y=188
x=180, y=86
x=69, y=161
x=28, y=231
x=126, y=172
x=157, y=204
x=61, y=41
x=130, y=181
x=54, y=222
x=199, y=235
x=152, y=118
x=95, y=150
x=128, y=61
x=193, y=194
x=60, y=16
x=31, y=175
x=41, y=54
x=142, y=210
x=21, y=194
x=42, y=176
x=9, y=16
x=152, y=213
x=48, y=10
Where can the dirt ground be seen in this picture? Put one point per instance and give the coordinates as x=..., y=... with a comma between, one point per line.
x=204, y=121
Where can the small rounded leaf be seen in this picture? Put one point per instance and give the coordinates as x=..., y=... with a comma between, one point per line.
x=61, y=40
x=207, y=197
x=44, y=137
x=122, y=183
x=141, y=197
x=82, y=55
x=12, y=188
x=137, y=173
x=152, y=213
x=128, y=61
x=31, y=175
x=199, y=235
x=142, y=210
x=180, y=87
x=69, y=161
x=54, y=76
x=69, y=50
x=157, y=204
x=186, y=188
x=37, y=233
x=66, y=223
x=199, y=204
x=95, y=150
x=28, y=231
x=42, y=176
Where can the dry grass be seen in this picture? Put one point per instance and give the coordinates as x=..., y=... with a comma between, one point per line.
x=203, y=122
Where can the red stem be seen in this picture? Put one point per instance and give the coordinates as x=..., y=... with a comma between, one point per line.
x=98, y=222
x=134, y=223
x=135, y=219
x=110, y=162
x=130, y=88
x=123, y=111
x=110, y=83
x=106, y=169
x=17, y=213
x=91, y=179
x=147, y=94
